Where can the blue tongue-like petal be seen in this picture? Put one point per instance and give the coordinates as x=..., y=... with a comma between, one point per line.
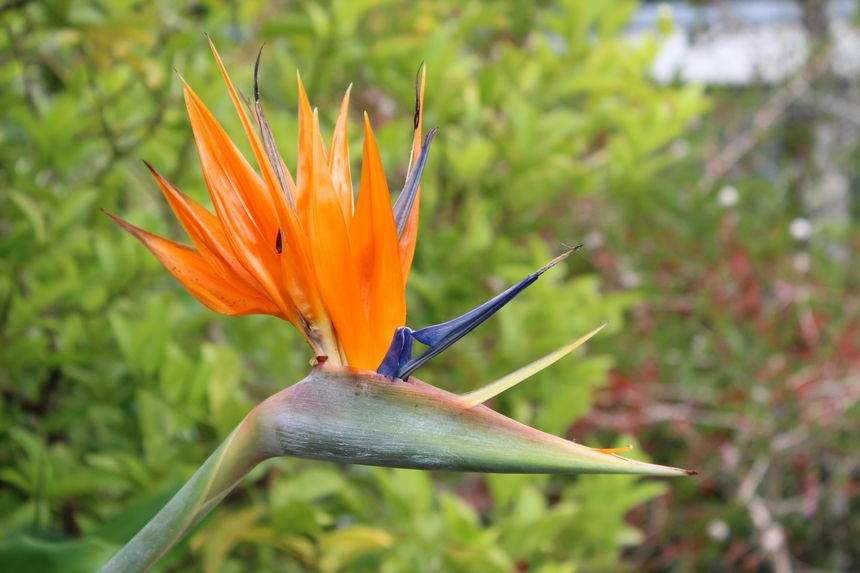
x=441, y=336
x=403, y=206
x=400, y=352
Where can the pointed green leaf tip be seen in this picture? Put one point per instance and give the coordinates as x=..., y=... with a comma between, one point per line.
x=481, y=395
x=357, y=416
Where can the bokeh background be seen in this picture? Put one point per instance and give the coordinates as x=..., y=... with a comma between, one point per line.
x=705, y=154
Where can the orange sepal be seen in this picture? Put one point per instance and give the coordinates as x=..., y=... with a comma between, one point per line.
x=374, y=241
x=206, y=233
x=338, y=160
x=295, y=267
x=271, y=195
x=333, y=261
x=300, y=280
x=304, y=169
x=191, y=270
x=233, y=184
x=243, y=179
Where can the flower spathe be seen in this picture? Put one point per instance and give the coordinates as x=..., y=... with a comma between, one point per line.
x=296, y=249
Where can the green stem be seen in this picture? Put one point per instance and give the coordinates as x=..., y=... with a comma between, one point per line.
x=232, y=461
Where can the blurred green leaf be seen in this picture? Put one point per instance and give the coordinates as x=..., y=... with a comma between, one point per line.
x=342, y=546
x=29, y=555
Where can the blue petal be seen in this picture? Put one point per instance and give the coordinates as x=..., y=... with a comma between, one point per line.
x=403, y=205
x=399, y=353
x=442, y=336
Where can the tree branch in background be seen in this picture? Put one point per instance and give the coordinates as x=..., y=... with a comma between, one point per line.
x=717, y=167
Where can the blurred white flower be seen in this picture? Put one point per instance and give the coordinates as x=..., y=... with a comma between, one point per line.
x=728, y=196
x=773, y=538
x=718, y=530
x=800, y=229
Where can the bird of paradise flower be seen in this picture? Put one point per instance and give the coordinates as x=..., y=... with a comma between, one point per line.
x=302, y=250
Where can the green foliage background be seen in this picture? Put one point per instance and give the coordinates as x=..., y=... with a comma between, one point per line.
x=116, y=384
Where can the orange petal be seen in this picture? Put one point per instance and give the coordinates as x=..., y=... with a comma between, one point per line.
x=190, y=269
x=208, y=236
x=338, y=161
x=333, y=261
x=374, y=240
x=410, y=233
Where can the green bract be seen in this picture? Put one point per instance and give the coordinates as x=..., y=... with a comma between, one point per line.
x=338, y=414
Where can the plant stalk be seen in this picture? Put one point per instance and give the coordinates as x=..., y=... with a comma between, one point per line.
x=234, y=458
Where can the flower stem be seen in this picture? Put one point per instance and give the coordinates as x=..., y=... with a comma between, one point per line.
x=232, y=461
